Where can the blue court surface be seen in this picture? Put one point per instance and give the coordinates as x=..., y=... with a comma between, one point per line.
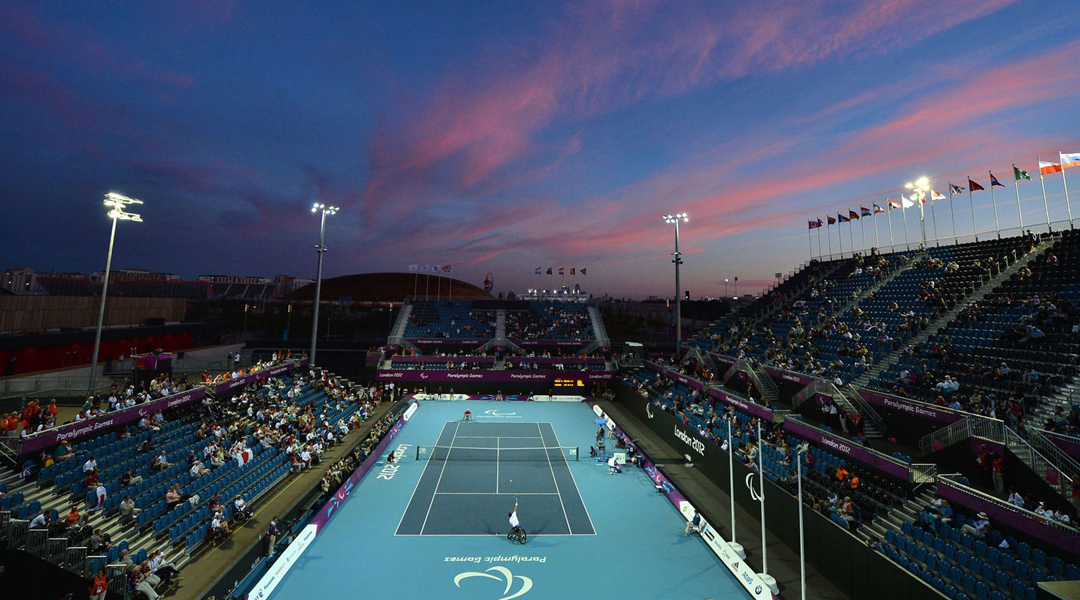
x=433, y=524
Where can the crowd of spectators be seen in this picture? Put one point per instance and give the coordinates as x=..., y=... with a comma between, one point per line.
x=550, y=321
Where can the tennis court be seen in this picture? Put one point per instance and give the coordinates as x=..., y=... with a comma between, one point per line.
x=636, y=549
x=475, y=471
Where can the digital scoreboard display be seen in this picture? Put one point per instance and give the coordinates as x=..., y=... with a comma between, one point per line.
x=569, y=383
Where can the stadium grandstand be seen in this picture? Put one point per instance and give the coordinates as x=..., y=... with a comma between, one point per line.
x=921, y=403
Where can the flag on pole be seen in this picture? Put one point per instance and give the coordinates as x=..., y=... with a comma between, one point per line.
x=1071, y=159
x=906, y=203
x=583, y=270
x=936, y=195
x=893, y=205
x=994, y=181
x=549, y=270
x=878, y=209
x=538, y=270
x=974, y=186
x=815, y=224
x=447, y=268
x=414, y=268
x=1046, y=168
x=562, y=270
x=956, y=189
x=572, y=270
x=843, y=219
x=853, y=215
x=832, y=221
x=1019, y=174
x=435, y=268
x=866, y=211
x=425, y=268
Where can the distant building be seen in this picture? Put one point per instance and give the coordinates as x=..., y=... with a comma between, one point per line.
x=251, y=280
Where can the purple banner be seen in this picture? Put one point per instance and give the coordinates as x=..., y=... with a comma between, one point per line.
x=676, y=376
x=77, y=431
x=1069, y=445
x=727, y=361
x=1062, y=538
x=847, y=448
x=246, y=379
x=782, y=375
x=744, y=405
x=435, y=376
x=447, y=342
x=559, y=343
x=342, y=494
x=911, y=407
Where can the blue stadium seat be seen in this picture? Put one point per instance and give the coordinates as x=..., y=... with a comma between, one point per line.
x=1037, y=556
x=1001, y=579
x=969, y=583
x=982, y=591
x=1057, y=566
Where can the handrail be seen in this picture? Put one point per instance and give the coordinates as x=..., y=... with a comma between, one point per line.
x=951, y=434
x=863, y=406
x=1040, y=463
x=951, y=480
x=923, y=473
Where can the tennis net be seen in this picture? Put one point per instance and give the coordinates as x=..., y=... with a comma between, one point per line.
x=553, y=454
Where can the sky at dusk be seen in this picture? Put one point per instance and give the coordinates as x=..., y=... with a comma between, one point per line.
x=504, y=136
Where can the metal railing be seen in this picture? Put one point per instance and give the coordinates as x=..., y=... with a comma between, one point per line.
x=922, y=473
x=864, y=407
x=949, y=435
x=1050, y=471
x=951, y=481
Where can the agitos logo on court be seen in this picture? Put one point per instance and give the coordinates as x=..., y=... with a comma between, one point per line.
x=526, y=582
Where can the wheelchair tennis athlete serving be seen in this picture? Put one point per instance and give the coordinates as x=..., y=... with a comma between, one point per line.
x=517, y=534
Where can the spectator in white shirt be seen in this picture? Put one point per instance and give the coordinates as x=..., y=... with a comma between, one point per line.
x=90, y=465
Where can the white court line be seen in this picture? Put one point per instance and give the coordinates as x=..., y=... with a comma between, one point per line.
x=552, y=467
x=499, y=493
x=439, y=481
x=505, y=437
x=496, y=465
x=413, y=496
x=501, y=535
x=572, y=478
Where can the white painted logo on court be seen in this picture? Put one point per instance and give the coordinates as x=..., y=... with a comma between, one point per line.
x=495, y=413
x=526, y=583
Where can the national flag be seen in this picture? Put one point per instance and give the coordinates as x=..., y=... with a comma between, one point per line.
x=878, y=209
x=414, y=268
x=1071, y=159
x=853, y=215
x=425, y=268
x=894, y=205
x=906, y=202
x=562, y=270
x=25, y=472
x=994, y=181
x=583, y=270
x=537, y=270
x=447, y=268
x=243, y=458
x=832, y=221
x=572, y=270
x=1019, y=174
x=974, y=186
x=955, y=188
x=842, y=218
x=549, y=270
x=799, y=304
x=435, y=268
x=936, y=195
x=815, y=224
x=1046, y=168
x=865, y=211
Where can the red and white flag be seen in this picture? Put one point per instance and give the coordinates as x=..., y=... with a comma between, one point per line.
x=1046, y=168
x=562, y=270
x=243, y=457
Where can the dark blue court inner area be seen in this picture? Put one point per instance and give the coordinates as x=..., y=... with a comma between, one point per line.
x=472, y=475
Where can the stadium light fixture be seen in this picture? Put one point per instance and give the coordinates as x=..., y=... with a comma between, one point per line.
x=922, y=186
x=674, y=219
x=320, y=249
x=117, y=203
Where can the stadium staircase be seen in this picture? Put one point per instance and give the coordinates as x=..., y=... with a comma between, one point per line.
x=397, y=334
x=980, y=294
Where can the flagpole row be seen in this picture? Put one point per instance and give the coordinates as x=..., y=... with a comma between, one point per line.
x=1016, y=186
x=1065, y=182
x=971, y=203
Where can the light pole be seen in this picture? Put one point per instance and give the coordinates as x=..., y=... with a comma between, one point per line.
x=800, y=449
x=246, y=306
x=321, y=249
x=921, y=187
x=117, y=203
x=726, y=287
x=678, y=290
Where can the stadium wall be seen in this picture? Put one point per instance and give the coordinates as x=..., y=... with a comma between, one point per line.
x=839, y=556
